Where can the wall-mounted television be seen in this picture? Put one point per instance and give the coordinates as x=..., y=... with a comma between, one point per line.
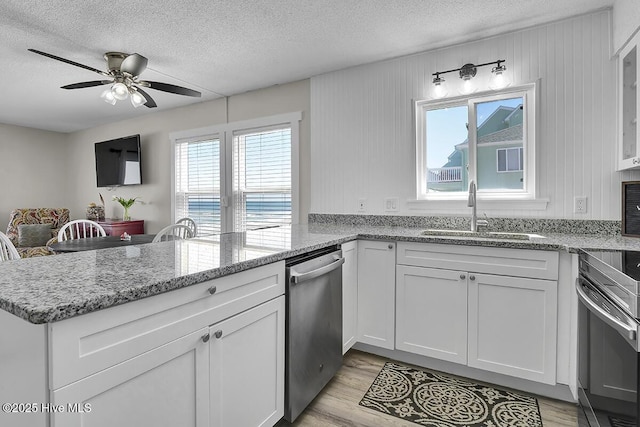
x=118, y=162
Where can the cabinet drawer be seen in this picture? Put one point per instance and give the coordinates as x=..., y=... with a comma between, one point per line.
x=86, y=344
x=499, y=261
x=116, y=228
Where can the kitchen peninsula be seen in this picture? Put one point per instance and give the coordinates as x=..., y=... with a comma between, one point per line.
x=130, y=327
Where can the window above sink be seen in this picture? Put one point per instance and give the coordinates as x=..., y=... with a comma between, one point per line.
x=486, y=137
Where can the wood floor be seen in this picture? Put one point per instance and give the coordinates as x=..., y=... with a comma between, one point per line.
x=337, y=405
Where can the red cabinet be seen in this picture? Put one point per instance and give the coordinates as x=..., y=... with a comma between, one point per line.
x=115, y=227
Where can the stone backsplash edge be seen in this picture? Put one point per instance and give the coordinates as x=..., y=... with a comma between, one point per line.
x=508, y=225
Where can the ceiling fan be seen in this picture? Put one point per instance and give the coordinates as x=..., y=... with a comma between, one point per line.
x=123, y=76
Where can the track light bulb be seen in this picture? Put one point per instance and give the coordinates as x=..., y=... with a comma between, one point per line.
x=498, y=77
x=467, y=87
x=440, y=87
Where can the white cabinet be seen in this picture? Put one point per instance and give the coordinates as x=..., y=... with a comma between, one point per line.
x=628, y=146
x=83, y=345
x=349, y=295
x=376, y=293
x=204, y=379
x=431, y=312
x=247, y=367
x=513, y=326
x=192, y=357
x=504, y=323
x=165, y=386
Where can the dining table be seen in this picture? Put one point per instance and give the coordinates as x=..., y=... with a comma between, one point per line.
x=101, y=242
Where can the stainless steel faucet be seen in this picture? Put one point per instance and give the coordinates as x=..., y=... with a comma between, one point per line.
x=475, y=222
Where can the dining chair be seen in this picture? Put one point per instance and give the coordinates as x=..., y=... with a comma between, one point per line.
x=80, y=229
x=7, y=250
x=173, y=232
x=189, y=222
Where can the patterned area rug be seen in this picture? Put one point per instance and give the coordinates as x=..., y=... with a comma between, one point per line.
x=436, y=400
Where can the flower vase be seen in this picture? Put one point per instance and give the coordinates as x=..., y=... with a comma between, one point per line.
x=125, y=215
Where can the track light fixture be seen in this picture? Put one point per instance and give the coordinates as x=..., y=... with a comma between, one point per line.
x=466, y=73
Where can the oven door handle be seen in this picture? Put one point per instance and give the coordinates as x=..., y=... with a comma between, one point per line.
x=624, y=329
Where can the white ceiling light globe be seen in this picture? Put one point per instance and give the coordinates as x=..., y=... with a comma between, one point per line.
x=108, y=97
x=120, y=91
x=137, y=99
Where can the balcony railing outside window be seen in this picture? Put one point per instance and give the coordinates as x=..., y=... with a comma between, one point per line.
x=450, y=174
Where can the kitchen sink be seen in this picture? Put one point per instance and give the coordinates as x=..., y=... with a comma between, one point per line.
x=481, y=234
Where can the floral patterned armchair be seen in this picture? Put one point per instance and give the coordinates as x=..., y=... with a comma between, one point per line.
x=26, y=231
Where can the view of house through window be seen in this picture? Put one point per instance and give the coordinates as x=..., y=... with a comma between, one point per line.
x=446, y=165
x=492, y=151
x=499, y=129
x=509, y=159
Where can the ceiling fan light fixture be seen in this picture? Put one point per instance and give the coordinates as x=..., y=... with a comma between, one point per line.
x=120, y=91
x=123, y=76
x=108, y=97
x=137, y=99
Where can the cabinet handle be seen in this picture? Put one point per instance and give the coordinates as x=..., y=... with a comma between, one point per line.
x=205, y=337
x=212, y=290
x=218, y=334
x=462, y=276
x=472, y=277
x=636, y=161
x=390, y=246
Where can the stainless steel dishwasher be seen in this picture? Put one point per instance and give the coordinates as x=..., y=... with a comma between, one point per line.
x=313, y=326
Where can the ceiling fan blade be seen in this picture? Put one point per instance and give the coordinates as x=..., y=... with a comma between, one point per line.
x=67, y=61
x=150, y=102
x=134, y=64
x=166, y=87
x=87, y=84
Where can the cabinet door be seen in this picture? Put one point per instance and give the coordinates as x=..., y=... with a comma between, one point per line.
x=167, y=386
x=349, y=295
x=513, y=326
x=376, y=293
x=247, y=367
x=629, y=149
x=431, y=312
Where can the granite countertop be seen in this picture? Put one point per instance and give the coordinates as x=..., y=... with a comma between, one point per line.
x=53, y=288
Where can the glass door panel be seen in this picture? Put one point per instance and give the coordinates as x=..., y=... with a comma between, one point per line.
x=629, y=105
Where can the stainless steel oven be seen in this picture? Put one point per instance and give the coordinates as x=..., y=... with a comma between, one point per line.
x=608, y=350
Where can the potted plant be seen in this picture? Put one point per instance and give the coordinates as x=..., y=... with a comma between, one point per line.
x=126, y=204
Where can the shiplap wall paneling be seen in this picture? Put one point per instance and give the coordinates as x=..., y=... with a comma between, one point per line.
x=362, y=124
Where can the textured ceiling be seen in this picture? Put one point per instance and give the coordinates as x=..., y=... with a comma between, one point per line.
x=225, y=47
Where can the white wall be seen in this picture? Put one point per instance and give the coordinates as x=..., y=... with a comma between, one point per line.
x=32, y=171
x=362, y=126
x=626, y=21
x=154, y=130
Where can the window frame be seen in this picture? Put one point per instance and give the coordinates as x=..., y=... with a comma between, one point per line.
x=506, y=159
x=195, y=140
x=236, y=192
x=225, y=133
x=529, y=94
